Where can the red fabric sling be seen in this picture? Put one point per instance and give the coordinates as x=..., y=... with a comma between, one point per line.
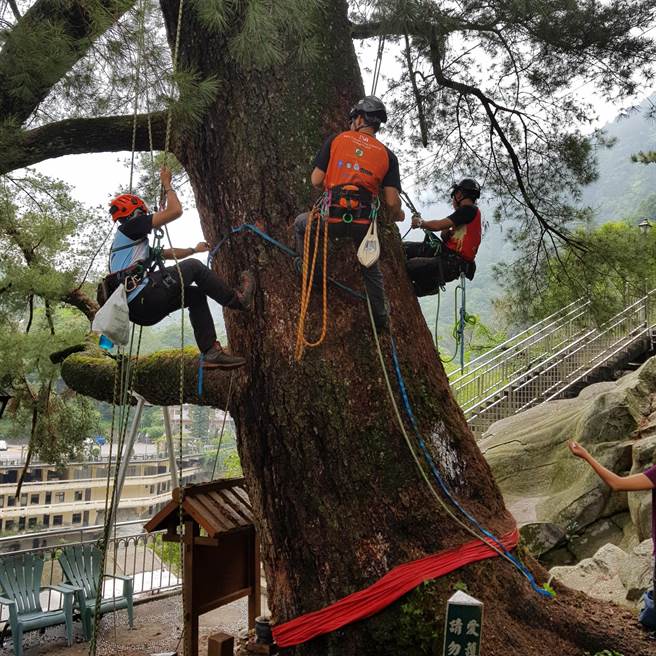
x=389, y=588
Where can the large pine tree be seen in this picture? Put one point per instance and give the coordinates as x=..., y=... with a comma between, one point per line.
x=338, y=498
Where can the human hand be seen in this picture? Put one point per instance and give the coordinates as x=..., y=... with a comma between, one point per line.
x=416, y=220
x=202, y=247
x=165, y=176
x=578, y=450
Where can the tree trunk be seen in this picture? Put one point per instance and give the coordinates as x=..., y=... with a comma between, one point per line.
x=338, y=497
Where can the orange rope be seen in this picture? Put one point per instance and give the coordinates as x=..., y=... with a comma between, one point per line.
x=307, y=280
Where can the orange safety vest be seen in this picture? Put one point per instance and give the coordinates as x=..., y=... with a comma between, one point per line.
x=466, y=239
x=357, y=159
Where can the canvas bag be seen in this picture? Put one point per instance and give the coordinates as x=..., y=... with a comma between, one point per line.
x=113, y=318
x=369, y=250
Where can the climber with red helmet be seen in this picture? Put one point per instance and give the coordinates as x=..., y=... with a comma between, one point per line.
x=153, y=291
x=434, y=262
x=355, y=170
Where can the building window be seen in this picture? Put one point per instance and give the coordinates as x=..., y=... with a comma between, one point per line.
x=2, y=500
x=85, y=518
x=60, y=496
x=78, y=495
x=77, y=518
x=34, y=499
x=23, y=499
x=11, y=501
x=48, y=497
x=46, y=520
x=31, y=522
x=57, y=520
x=9, y=525
x=21, y=523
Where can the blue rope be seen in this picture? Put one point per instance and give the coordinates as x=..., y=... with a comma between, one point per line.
x=201, y=359
x=445, y=488
x=280, y=246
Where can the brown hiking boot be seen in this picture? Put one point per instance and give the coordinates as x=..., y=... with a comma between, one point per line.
x=244, y=296
x=217, y=358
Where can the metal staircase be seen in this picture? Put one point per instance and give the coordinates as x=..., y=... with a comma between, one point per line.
x=551, y=359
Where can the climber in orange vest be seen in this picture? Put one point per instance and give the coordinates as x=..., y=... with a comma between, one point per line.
x=354, y=169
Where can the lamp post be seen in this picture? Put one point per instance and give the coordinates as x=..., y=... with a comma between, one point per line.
x=645, y=226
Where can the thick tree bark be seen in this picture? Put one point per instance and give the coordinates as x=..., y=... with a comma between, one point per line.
x=338, y=498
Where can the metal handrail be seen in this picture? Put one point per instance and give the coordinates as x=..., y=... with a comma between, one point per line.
x=555, y=370
x=502, y=348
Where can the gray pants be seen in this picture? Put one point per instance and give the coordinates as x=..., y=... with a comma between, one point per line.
x=373, y=277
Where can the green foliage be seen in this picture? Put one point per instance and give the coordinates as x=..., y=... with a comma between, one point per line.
x=46, y=239
x=419, y=629
x=280, y=28
x=616, y=267
x=168, y=553
x=605, y=652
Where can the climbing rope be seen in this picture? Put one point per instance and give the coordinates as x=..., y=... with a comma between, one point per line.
x=315, y=217
x=250, y=227
x=223, y=423
x=493, y=542
x=378, y=64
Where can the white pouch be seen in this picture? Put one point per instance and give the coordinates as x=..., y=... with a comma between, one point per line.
x=113, y=318
x=369, y=250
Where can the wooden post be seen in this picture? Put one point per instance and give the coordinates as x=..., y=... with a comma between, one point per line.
x=190, y=641
x=255, y=597
x=220, y=644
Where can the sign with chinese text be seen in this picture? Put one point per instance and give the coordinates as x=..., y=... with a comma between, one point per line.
x=462, y=629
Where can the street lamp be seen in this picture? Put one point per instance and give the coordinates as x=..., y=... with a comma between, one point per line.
x=645, y=226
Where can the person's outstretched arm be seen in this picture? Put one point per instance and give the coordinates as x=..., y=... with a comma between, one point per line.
x=181, y=253
x=632, y=483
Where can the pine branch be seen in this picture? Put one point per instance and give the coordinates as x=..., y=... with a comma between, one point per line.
x=82, y=302
x=82, y=135
x=59, y=33
x=490, y=106
x=14, y=9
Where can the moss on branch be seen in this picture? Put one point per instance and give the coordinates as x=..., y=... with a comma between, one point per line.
x=156, y=377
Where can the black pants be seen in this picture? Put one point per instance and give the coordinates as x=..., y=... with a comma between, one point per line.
x=158, y=300
x=373, y=277
x=430, y=268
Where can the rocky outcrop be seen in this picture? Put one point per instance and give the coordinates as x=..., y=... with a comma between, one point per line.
x=612, y=574
x=564, y=511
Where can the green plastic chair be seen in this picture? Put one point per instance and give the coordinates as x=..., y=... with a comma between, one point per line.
x=81, y=566
x=20, y=585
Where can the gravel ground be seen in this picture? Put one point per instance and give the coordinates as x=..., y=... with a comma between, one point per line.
x=157, y=628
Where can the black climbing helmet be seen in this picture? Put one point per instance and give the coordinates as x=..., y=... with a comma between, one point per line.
x=372, y=109
x=468, y=187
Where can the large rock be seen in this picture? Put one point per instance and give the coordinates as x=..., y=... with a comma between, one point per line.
x=555, y=496
x=611, y=574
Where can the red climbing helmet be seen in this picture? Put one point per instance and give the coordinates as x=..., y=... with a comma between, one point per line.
x=125, y=205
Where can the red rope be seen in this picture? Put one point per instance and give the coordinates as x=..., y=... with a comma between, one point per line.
x=392, y=586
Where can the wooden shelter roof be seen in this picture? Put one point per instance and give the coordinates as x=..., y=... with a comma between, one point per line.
x=219, y=507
